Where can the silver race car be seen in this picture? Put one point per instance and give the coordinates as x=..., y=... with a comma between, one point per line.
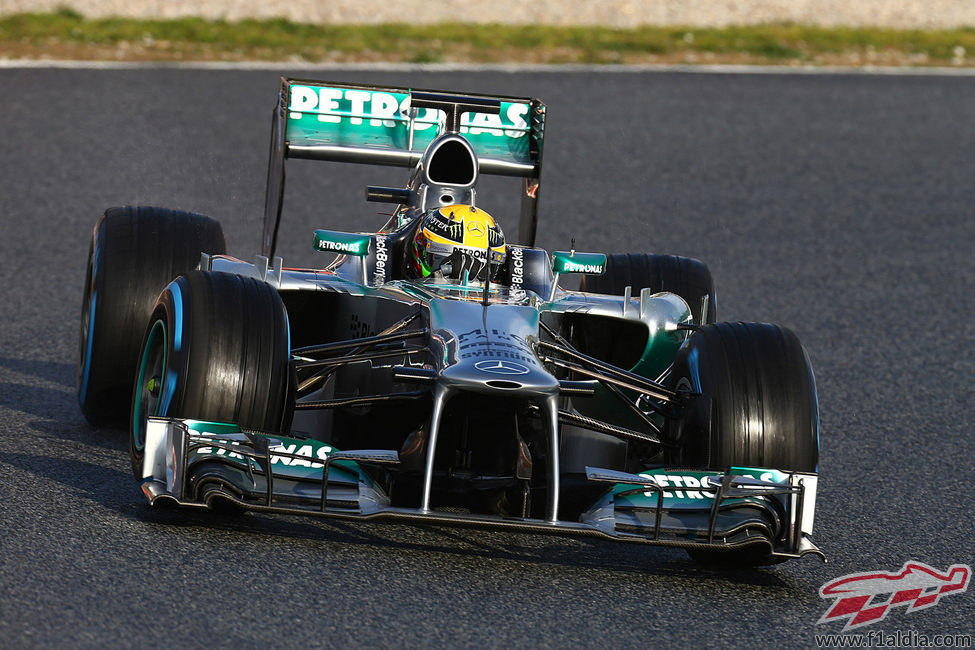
x=435, y=370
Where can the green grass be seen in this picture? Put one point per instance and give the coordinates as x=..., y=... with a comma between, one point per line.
x=67, y=34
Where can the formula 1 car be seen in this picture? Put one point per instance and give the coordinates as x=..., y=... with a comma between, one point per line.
x=432, y=371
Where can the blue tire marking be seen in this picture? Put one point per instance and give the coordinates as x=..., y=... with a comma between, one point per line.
x=178, y=306
x=86, y=367
x=693, y=370
x=94, y=264
x=169, y=384
x=169, y=388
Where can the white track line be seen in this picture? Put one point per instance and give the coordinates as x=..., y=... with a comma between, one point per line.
x=488, y=67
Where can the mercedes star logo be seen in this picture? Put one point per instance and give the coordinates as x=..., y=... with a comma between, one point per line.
x=475, y=228
x=501, y=367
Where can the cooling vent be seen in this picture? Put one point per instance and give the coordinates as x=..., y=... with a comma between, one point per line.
x=452, y=162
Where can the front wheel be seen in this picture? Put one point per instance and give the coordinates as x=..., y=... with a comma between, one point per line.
x=135, y=252
x=217, y=349
x=758, y=407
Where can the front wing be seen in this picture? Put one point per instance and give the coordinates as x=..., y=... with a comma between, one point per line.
x=190, y=463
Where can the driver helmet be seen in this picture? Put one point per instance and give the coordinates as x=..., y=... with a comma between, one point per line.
x=456, y=242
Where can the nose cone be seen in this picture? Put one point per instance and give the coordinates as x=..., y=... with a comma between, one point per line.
x=500, y=374
x=487, y=349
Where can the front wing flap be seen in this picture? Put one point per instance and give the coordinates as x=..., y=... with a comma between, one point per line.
x=191, y=463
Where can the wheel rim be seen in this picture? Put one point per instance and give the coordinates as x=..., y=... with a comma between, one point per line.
x=149, y=384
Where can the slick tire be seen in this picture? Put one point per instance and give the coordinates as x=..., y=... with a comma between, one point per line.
x=758, y=408
x=135, y=252
x=685, y=276
x=217, y=348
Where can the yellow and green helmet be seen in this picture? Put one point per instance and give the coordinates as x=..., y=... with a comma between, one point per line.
x=456, y=242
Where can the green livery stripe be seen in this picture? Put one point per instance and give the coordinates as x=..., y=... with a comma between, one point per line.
x=380, y=120
x=290, y=457
x=682, y=488
x=572, y=262
x=331, y=241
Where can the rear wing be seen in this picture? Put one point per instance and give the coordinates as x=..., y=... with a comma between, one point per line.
x=377, y=125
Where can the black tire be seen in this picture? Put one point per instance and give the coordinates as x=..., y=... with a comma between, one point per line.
x=217, y=349
x=687, y=277
x=135, y=252
x=758, y=408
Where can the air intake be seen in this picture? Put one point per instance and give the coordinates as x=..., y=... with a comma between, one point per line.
x=501, y=383
x=450, y=160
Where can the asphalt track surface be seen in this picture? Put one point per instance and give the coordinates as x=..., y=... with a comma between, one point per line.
x=838, y=205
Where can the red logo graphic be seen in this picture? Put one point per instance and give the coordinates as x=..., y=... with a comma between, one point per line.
x=865, y=598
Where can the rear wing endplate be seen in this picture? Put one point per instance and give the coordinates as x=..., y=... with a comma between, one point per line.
x=377, y=125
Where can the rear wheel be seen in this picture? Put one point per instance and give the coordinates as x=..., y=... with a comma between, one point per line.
x=217, y=349
x=685, y=276
x=758, y=408
x=135, y=252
